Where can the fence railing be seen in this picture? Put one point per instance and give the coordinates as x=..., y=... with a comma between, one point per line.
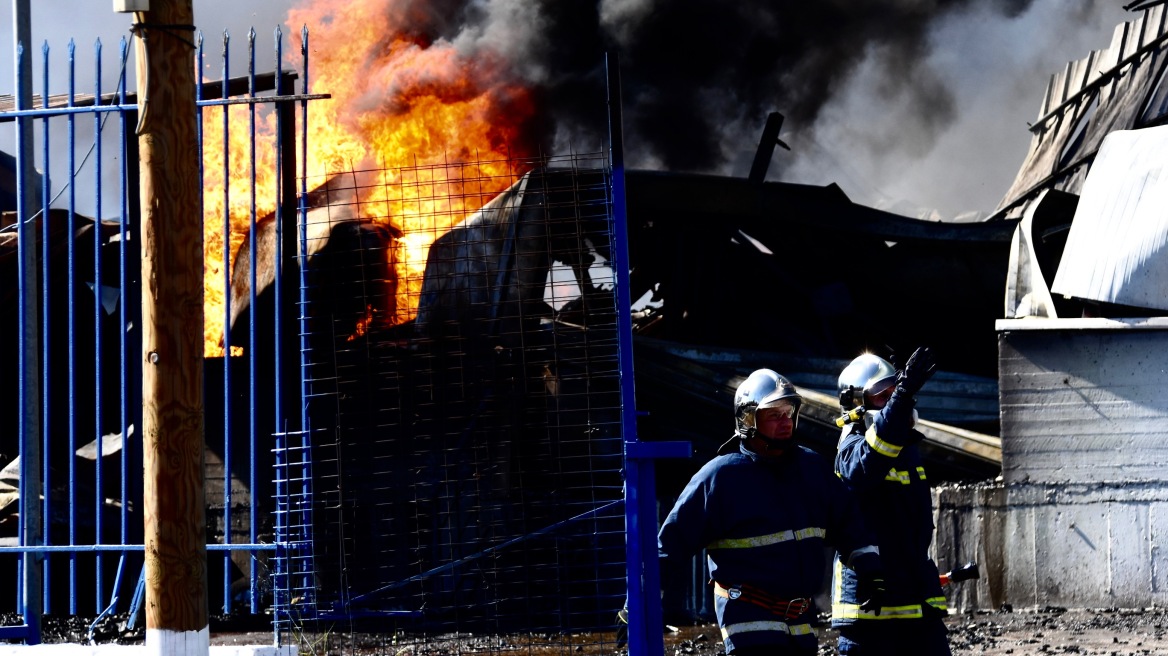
x=442, y=451
x=89, y=547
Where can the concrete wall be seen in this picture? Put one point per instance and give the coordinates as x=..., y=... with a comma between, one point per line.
x=970, y=521
x=1084, y=406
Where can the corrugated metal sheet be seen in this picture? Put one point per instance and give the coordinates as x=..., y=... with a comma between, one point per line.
x=1122, y=97
x=1027, y=291
x=1115, y=249
x=1113, y=89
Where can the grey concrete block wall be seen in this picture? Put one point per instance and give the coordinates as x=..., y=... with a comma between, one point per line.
x=1084, y=406
x=1087, y=546
x=970, y=521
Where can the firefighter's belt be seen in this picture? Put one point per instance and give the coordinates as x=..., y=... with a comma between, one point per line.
x=788, y=608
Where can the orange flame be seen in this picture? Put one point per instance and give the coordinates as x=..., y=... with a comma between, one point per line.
x=396, y=101
x=362, y=324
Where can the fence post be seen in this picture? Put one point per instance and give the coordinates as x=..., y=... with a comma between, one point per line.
x=643, y=583
x=172, y=333
x=28, y=206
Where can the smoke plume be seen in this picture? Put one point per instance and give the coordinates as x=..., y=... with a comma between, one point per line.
x=700, y=75
x=925, y=100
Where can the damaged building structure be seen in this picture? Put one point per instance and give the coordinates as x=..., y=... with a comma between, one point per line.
x=1080, y=517
x=1044, y=426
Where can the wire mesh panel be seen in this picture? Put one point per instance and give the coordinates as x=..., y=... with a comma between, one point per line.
x=463, y=399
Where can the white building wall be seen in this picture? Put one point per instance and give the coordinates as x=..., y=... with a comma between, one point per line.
x=1084, y=407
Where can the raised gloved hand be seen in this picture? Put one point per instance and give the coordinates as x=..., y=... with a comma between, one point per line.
x=916, y=372
x=871, y=593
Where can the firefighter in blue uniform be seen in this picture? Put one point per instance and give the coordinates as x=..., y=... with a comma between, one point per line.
x=765, y=509
x=878, y=458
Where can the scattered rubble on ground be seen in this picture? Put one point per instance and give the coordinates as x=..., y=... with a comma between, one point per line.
x=1101, y=632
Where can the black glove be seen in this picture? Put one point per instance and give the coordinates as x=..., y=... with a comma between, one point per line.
x=870, y=592
x=917, y=371
x=622, y=628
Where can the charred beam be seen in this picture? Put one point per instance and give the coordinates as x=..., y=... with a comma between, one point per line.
x=766, y=147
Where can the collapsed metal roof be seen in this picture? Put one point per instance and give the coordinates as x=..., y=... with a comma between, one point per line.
x=1089, y=193
x=1119, y=88
x=1115, y=247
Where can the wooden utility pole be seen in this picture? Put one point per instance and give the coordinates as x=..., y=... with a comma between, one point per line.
x=172, y=332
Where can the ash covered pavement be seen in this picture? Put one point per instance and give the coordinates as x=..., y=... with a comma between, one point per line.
x=1103, y=632
x=1110, y=632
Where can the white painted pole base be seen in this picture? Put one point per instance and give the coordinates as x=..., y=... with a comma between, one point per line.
x=138, y=650
x=168, y=642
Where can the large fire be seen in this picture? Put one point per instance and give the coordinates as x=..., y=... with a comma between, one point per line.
x=397, y=101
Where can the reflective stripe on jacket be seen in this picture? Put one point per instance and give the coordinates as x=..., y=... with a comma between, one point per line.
x=882, y=466
x=765, y=625
x=765, y=523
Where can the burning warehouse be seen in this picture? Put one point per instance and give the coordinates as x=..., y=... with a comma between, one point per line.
x=456, y=323
x=701, y=249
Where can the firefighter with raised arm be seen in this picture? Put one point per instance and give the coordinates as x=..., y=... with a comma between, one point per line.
x=879, y=460
x=764, y=510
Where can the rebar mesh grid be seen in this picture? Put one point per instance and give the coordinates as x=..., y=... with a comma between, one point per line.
x=462, y=349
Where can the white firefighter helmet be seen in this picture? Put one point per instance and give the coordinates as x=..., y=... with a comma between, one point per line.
x=762, y=389
x=863, y=379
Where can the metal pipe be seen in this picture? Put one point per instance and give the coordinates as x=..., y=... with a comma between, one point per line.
x=278, y=583
x=227, y=461
x=123, y=323
x=27, y=205
x=46, y=351
x=766, y=148
x=98, y=292
x=252, y=344
x=65, y=548
x=643, y=582
x=72, y=257
x=305, y=506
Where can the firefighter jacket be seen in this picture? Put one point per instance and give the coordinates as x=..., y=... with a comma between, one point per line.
x=882, y=466
x=764, y=524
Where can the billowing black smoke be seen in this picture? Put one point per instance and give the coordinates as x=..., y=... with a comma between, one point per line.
x=699, y=76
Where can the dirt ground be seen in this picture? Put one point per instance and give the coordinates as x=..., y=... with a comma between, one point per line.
x=1106, y=632
x=1103, y=632
x=1058, y=631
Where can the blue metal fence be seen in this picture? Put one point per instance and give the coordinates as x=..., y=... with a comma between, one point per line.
x=520, y=490
x=89, y=489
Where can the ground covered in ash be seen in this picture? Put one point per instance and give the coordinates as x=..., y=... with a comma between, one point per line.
x=1103, y=632
x=1110, y=632
x=1117, y=632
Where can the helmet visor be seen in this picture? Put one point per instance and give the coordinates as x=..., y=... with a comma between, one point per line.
x=879, y=392
x=784, y=407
